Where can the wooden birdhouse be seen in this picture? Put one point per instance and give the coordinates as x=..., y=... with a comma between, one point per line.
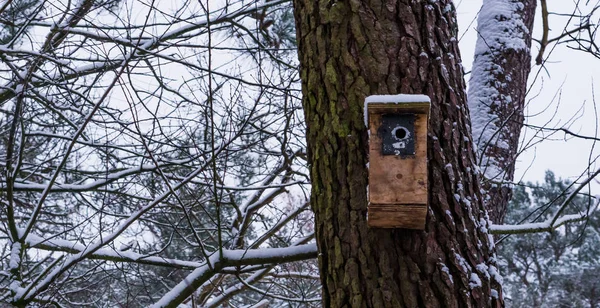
x=397, y=160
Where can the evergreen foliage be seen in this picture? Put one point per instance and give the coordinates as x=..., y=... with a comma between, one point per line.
x=556, y=269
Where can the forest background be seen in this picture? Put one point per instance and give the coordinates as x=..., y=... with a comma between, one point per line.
x=147, y=148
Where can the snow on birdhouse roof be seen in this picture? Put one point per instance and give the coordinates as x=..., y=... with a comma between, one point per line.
x=408, y=99
x=397, y=99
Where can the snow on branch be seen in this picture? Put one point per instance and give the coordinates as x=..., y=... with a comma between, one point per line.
x=556, y=220
x=107, y=254
x=107, y=178
x=545, y=226
x=233, y=258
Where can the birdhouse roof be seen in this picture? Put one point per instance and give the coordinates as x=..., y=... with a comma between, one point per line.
x=413, y=103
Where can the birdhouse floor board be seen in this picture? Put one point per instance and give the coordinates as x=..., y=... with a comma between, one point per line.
x=397, y=216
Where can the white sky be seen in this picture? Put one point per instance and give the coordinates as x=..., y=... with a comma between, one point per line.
x=574, y=71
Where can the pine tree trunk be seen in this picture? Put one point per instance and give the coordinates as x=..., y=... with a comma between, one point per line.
x=497, y=91
x=351, y=49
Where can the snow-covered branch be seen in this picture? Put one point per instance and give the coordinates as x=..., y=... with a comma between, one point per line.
x=107, y=254
x=557, y=219
x=536, y=227
x=233, y=258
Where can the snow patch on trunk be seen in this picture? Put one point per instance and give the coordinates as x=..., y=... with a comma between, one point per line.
x=500, y=28
x=474, y=281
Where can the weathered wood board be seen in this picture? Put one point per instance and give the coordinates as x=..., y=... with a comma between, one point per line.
x=398, y=185
x=397, y=216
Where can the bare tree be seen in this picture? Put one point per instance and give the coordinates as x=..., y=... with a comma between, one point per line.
x=140, y=166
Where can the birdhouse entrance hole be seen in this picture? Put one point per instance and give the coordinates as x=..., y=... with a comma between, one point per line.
x=400, y=132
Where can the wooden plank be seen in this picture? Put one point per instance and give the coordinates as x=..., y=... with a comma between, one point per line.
x=413, y=107
x=394, y=179
x=410, y=216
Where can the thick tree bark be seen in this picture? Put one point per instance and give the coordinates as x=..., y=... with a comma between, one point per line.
x=351, y=49
x=497, y=92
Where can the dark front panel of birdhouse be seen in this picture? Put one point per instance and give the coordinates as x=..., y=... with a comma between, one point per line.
x=397, y=133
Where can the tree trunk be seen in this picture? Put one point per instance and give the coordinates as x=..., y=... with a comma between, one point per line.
x=351, y=49
x=497, y=91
